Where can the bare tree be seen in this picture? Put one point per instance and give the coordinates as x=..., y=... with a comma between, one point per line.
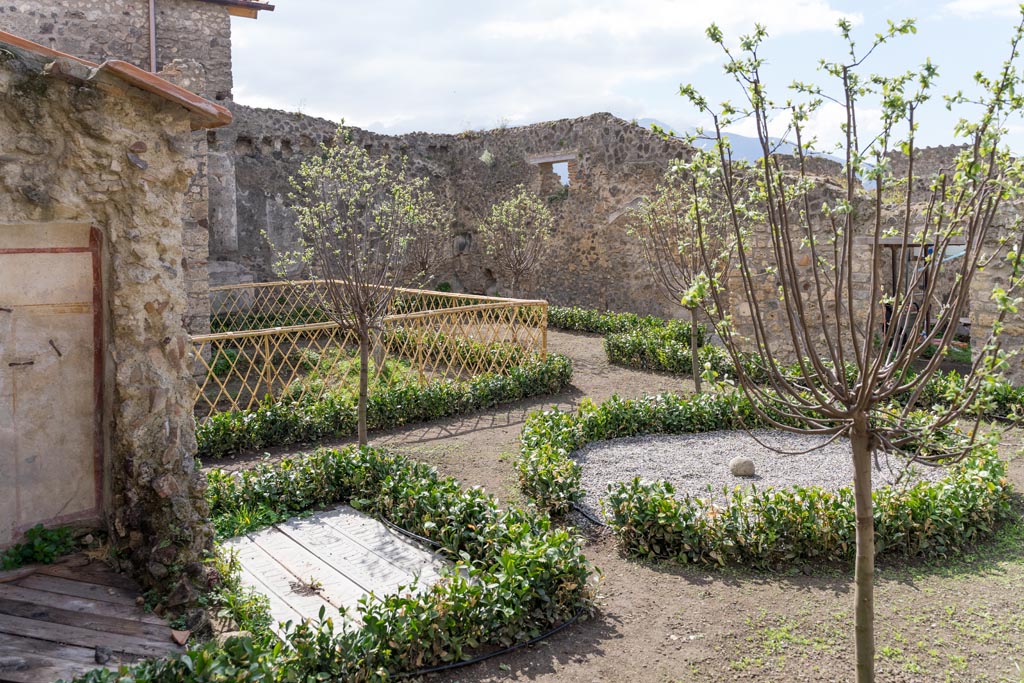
x=355, y=216
x=857, y=339
x=671, y=242
x=515, y=234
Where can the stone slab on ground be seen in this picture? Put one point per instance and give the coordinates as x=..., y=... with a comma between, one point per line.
x=330, y=560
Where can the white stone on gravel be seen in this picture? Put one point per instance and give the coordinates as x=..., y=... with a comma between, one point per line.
x=741, y=467
x=693, y=462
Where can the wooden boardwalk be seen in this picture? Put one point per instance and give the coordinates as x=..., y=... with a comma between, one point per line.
x=53, y=618
x=330, y=559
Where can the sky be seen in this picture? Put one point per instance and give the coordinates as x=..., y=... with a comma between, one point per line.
x=450, y=65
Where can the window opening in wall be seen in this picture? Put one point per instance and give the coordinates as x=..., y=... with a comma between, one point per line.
x=562, y=169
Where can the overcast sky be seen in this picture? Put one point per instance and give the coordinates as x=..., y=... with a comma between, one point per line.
x=447, y=66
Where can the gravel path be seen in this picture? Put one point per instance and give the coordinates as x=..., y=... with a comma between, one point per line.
x=692, y=462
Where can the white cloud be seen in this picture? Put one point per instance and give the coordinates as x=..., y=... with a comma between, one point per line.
x=408, y=65
x=978, y=8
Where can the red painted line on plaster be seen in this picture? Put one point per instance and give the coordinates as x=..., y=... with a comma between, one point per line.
x=96, y=246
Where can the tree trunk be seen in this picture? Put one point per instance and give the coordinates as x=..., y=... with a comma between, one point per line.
x=864, y=572
x=364, y=383
x=695, y=368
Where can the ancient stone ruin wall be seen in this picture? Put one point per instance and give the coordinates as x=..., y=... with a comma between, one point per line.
x=99, y=30
x=104, y=154
x=592, y=261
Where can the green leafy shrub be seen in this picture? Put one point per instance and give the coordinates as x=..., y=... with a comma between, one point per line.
x=770, y=527
x=759, y=528
x=516, y=576
x=282, y=423
x=607, y=322
x=288, y=316
x=650, y=347
x=41, y=546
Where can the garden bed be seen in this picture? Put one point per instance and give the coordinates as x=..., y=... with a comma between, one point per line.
x=698, y=464
x=758, y=528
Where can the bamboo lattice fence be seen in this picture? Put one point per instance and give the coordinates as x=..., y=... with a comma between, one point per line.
x=276, y=339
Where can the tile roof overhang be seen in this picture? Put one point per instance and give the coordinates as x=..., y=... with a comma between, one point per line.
x=243, y=8
x=202, y=112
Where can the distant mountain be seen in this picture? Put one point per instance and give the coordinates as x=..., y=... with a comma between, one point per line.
x=744, y=148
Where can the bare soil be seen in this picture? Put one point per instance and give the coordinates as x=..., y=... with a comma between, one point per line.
x=960, y=620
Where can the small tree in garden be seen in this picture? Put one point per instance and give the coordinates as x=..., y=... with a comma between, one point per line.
x=668, y=233
x=355, y=218
x=515, y=234
x=430, y=248
x=860, y=342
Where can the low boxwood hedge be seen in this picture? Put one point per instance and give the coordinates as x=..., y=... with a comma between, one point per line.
x=577, y=319
x=516, y=576
x=656, y=348
x=283, y=423
x=752, y=528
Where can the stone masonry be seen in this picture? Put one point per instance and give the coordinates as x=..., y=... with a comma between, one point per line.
x=85, y=145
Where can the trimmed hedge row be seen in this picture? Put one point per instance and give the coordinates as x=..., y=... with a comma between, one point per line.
x=334, y=415
x=758, y=528
x=577, y=319
x=661, y=349
x=516, y=576
x=654, y=348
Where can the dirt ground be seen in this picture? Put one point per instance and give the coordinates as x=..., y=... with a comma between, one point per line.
x=960, y=620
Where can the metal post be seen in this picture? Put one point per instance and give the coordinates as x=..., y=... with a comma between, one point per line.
x=152, y=35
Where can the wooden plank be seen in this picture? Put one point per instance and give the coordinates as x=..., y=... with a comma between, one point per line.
x=346, y=553
x=79, y=589
x=83, y=637
x=394, y=548
x=73, y=604
x=369, y=570
x=84, y=619
x=44, y=661
x=95, y=573
x=335, y=586
x=265, y=574
x=280, y=611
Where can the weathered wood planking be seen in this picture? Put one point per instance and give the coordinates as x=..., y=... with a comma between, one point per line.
x=53, y=619
x=330, y=560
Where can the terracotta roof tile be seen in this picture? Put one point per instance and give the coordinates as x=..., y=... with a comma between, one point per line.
x=204, y=114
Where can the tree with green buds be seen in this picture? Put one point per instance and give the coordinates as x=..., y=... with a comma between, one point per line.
x=671, y=241
x=515, y=234
x=865, y=348
x=356, y=217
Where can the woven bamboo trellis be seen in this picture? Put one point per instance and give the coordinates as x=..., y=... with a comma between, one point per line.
x=275, y=339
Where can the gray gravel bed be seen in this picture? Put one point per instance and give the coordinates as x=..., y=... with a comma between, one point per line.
x=692, y=462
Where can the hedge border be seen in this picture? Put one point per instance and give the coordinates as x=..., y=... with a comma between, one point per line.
x=515, y=577
x=281, y=423
x=761, y=528
x=653, y=347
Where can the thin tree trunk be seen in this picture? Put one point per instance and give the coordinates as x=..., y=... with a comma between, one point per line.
x=864, y=571
x=364, y=383
x=694, y=360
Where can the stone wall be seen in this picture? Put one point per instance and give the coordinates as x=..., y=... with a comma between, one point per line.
x=83, y=146
x=592, y=261
x=99, y=30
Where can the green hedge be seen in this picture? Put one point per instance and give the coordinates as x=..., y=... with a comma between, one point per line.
x=662, y=349
x=577, y=319
x=771, y=527
x=752, y=528
x=277, y=423
x=516, y=576
x=657, y=348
